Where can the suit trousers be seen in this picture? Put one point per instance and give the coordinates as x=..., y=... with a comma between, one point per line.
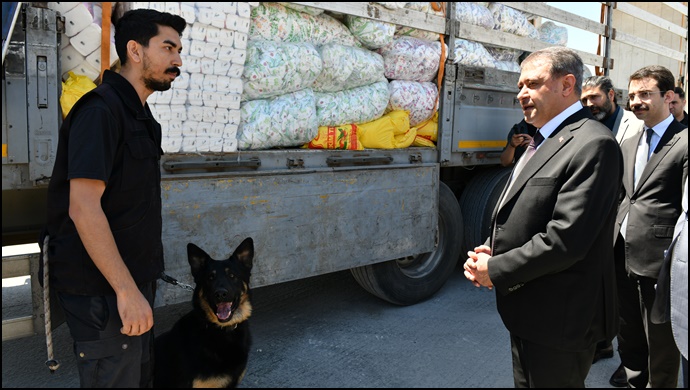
x=536, y=365
x=643, y=345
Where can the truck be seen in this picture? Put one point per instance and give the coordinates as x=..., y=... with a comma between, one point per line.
x=398, y=219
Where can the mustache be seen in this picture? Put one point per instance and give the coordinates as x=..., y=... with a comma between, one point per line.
x=174, y=69
x=638, y=107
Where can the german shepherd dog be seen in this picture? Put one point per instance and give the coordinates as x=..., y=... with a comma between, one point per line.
x=209, y=346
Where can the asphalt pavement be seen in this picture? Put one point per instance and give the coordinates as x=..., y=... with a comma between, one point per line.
x=328, y=332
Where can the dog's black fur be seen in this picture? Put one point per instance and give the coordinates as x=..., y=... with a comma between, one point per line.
x=209, y=346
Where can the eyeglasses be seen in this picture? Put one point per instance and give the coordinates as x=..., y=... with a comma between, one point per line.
x=642, y=95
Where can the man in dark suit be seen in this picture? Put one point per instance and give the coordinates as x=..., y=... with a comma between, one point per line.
x=550, y=255
x=599, y=96
x=656, y=162
x=677, y=106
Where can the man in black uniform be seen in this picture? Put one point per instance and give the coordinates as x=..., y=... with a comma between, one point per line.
x=519, y=136
x=104, y=206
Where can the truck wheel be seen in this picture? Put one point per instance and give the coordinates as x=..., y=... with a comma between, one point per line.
x=412, y=279
x=477, y=203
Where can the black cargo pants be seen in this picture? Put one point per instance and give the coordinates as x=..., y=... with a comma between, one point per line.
x=106, y=357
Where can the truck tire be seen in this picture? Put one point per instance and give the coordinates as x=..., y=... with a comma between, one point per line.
x=412, y=279
x=477, y=203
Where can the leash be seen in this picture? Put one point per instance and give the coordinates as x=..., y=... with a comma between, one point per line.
x=175, y=282
x=51, y=362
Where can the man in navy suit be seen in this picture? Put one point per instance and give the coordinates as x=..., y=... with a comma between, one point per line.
x=550, y=256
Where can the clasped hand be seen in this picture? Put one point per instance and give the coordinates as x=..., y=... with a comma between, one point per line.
x=476, y=267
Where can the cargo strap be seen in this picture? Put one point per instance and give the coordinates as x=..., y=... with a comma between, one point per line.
x=51, y=362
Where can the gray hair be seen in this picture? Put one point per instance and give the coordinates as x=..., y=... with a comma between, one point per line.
x=563, y=61
x=602, y=82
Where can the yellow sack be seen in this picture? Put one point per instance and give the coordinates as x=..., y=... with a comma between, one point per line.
x=429, y=129
x=72, y=90
x=336, y=137
x=391, y=131
x=421, y=141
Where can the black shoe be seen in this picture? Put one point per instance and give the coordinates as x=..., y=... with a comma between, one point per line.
x=602, y=352
x=619, y=379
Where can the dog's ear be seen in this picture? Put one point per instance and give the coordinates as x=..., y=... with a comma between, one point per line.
x=196, y=257
x=245, y=253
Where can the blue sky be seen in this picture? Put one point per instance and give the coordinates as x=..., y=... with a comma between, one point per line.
x=580, y=39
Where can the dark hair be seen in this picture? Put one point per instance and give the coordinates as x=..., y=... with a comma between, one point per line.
x=664, y=78
x=680, y=92
x=141, y=25
x=563, y=60
x=602, y=82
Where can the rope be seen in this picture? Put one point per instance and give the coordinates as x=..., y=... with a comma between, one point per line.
x=51, y=362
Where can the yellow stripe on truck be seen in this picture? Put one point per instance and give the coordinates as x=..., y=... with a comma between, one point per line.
x=4, y=150
x=481, y=144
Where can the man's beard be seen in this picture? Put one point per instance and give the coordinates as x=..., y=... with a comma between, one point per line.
x=156, y=85
x=604, y=111
x=599, y=116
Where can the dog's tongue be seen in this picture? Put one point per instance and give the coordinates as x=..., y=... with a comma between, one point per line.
x=224, y=310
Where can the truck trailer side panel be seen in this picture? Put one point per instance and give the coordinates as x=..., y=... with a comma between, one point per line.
x=303, y=223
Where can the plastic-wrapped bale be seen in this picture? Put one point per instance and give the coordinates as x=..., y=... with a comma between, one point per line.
x=512, y=21
x=503, y=53
x=505, y=58
x=277, y=68
x=391, y=4
x=510, y=66
x=586, y=72
x=302, y=8
x=417, y=98
x=425, y=7
x=284, y=121
x=347, y=67
x=470, y=53
x=412, y=59
x=274, y=22
x=356, y=105
x=474, y=13
x=81, y=50
x=404, y=31
x=373, y=34
x=554, y=34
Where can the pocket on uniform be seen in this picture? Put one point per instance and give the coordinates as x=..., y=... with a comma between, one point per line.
x=140, y=164
x=114, y=346
x=111, y=362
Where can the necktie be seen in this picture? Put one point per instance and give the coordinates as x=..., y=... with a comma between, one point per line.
x=640, y=162
x=642, y=156
x=531, y=149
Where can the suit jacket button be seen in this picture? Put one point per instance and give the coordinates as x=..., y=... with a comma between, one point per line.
x=632, y=201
